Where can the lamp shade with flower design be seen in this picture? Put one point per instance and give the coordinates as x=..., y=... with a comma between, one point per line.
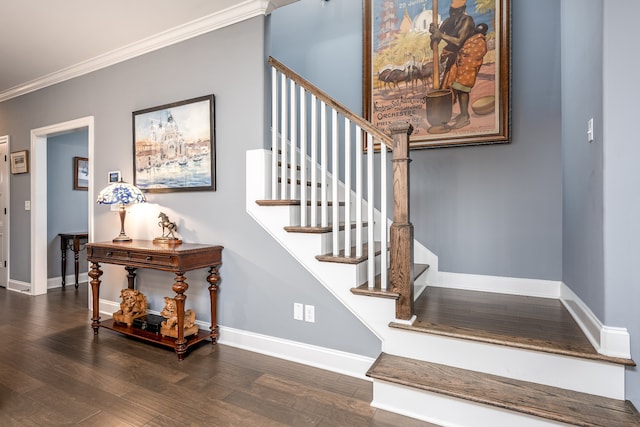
x=124, y=194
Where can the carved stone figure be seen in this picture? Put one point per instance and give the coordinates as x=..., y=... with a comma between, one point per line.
x=133, y=305
x=170, y=326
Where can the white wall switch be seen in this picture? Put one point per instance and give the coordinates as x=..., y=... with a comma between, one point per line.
x=590, y=130
x=298, y=311
x=309, y=313
x=27, y=205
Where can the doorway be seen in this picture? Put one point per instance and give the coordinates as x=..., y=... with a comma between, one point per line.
x=4, y=211
x=39, y=194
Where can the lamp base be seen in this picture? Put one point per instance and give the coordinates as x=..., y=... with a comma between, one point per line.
x=122, y=238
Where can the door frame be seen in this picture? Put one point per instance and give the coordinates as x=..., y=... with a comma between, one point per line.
x=6, y=190
x=39, y=194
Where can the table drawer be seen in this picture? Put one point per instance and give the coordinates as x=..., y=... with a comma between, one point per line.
x=133, y=258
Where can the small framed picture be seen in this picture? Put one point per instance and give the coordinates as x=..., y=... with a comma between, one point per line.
x=113, y=176
x=20, y=161
x=80, y=173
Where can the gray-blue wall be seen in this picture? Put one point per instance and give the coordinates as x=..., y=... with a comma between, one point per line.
x=260, y=280
x=621, y=152
x=67, y=209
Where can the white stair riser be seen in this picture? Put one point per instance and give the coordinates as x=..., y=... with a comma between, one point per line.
x=448, y=411
x=572, y=373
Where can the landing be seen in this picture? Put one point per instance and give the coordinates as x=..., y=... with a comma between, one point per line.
x=540, y=324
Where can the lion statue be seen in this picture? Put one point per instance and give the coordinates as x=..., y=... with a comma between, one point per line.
x=133, y=305
x=169, y=327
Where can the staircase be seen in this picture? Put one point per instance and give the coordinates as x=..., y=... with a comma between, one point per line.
x=311, y=192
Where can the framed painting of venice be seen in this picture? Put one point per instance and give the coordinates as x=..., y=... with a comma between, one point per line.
x=441, y=65
x=174, y=146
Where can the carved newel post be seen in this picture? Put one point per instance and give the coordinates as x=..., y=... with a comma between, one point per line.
x=401, y=233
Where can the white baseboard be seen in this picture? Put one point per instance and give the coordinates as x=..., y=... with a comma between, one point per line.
x=18, y=286
x=607, y=340
x=332, y=360
x=496, y=284
x=341, y=362
x=56, y=282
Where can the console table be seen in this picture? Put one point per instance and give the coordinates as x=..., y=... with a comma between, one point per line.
x=177, y=259
x=71, y=241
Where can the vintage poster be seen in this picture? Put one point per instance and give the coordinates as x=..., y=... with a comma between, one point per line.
x=442, y=66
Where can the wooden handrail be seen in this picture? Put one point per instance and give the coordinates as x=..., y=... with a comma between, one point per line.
x=362, y=123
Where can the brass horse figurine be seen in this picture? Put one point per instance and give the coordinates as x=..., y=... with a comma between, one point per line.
x=168, y=230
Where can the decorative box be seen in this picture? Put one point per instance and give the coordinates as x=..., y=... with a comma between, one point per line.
x=149, y=322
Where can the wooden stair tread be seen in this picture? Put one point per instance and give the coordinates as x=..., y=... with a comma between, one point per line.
x=316, y=230
x=538, y=324
x=342, y=259
x=290, y=202
x=377, y=290
x=548, y=402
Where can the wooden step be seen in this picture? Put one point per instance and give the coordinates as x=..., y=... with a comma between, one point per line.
x=317, y=230
x=377, y=290
x=532, y=323
x=551, y=403
x=291, y=202
x=342, y=259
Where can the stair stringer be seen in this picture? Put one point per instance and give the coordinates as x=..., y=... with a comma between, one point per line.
x=594, y=377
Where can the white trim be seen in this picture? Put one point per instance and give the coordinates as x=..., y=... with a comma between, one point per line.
x=70, y=280
x=341, y=362
x=607, y=340
x=496, y=284
x=232, y=15
x=39, y=194
x=448, y=411
x=6, y=189
x=18, y=286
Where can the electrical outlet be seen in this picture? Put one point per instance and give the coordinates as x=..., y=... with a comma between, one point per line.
x=309, y=313
x=298, y=311
x=27, y=205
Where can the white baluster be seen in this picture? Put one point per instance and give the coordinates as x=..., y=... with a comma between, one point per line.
x=324, y=221
x=314, y=161
x=283, y=140
x=293, y=109
x=335, y=172
x=303, y=157
x=347, y=186
x=383, y=216
x=371, y=254
x=359, y=190
x=274, y=134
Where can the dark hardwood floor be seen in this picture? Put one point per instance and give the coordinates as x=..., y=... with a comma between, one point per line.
x=53, y=371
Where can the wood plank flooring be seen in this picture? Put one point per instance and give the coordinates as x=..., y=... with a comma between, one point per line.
x=53, y=371
x=540, y=324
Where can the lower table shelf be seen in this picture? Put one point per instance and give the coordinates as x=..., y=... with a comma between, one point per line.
x=170, y=342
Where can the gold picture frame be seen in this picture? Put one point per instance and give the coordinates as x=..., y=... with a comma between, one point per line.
x=402, y=82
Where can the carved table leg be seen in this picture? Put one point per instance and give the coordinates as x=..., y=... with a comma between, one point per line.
x=131, y=277
x=76, y=257
x=180, y=287
x=213, y=279
x=95, y=274
x=63, y=265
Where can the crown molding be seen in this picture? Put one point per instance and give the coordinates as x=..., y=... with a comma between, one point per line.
x=229, y=16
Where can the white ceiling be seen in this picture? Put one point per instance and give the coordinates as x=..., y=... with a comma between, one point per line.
x=46, y=41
